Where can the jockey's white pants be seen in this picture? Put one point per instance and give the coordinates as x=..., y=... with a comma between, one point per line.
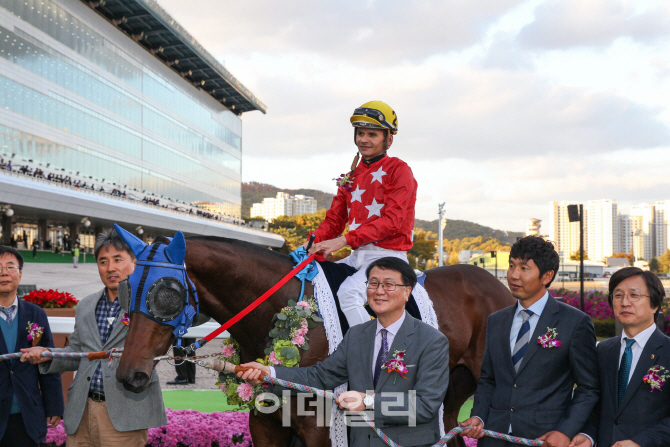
x=352, y=292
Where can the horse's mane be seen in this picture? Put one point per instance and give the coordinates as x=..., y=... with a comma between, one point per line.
x=217, y=240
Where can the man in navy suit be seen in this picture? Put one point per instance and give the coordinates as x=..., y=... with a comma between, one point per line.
x=536, y=352
x=632, y=412
x=29, y=401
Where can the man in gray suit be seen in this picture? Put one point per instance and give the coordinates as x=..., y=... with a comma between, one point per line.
x=406, y=409
x=99, y=412
x=527, y=386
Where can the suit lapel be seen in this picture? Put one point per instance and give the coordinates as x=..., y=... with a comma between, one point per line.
x=507, y=330
x=93, y=322
x=549, y=318
x=118, y=327
x=653, y=346
x=612, y=374
x=367, y=348
x=22, y=333
x=403, y=339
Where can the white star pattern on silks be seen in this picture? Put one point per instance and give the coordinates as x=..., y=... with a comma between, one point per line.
x=374, y=209
x=356, y=195
x=377, y=176
x=353, y=225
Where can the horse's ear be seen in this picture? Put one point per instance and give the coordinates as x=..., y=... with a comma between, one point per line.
x=135, y=243
x=177, y=248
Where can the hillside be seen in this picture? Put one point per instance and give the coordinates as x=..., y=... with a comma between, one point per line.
x=459, y=229
x=254, y=192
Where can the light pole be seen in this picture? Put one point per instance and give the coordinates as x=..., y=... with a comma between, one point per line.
x=441, y=224
x=576, y=214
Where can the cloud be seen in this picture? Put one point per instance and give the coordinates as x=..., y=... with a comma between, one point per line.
x=365, y=31
x=561, y=24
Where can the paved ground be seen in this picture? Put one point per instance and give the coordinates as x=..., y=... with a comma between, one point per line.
x=83, y=281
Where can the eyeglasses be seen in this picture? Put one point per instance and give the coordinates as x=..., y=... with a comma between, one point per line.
x=11, y=269
x=389, y=286
x=633, y=297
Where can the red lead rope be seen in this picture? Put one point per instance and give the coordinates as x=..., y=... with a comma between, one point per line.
x=260, y=299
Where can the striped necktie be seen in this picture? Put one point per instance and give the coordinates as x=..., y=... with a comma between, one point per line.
x=522, y=339
x=624, y=368
x=9, y=311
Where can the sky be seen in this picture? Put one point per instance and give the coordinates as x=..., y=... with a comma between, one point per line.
x=502, y=105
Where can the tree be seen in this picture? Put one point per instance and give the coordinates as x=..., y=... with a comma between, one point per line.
x=624, y=255
x=575, y=256
x=424, y=246
x=654, y=265
x=664, y=262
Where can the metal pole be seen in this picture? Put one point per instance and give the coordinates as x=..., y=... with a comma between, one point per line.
x=496, y=264
x=581, y=254
x=440, y=229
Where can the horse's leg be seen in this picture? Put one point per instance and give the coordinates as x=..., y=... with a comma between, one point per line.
x=266, y=430
x=310, y=426
x=462, y=385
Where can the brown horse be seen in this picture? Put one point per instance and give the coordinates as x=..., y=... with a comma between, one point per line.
x=230, y=274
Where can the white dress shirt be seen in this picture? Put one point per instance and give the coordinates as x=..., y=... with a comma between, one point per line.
x=16, y=310
x=641, y=340
x=537, y=309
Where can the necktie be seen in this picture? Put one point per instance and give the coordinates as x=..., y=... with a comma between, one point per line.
x=9, y=311
x=381, y=357
x=522, y=339
x=624, y=368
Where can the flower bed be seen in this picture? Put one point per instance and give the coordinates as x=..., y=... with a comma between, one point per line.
x=187, y=428
x=51, y=299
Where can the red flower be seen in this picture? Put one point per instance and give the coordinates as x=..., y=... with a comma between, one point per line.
x=51, y=298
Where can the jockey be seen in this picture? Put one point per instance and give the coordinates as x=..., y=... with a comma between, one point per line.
x=376, y=199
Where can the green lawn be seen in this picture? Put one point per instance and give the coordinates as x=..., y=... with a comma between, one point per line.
x=213, y=400
x=53, y=258
x=205, y=401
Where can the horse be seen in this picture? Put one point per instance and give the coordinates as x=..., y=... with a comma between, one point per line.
x=229, y=274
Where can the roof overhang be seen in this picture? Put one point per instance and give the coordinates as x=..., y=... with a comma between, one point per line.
x=152, y=27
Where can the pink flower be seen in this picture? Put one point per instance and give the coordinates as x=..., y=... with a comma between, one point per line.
x=303, y=329
x=245, y=391
x=228, y=351
x=273, y=359
x=304, y=304
x=298, y=340
x=223, y=387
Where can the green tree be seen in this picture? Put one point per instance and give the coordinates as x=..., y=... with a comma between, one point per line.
x=654, y=265
x=424, y=247
x=664, y=262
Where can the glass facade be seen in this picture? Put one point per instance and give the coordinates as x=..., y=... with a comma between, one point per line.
x=132, y=110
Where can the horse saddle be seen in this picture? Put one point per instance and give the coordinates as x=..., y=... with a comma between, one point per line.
x=336, y=274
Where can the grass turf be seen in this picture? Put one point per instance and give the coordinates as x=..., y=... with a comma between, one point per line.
x=53, y=258
x=205, y=401
x=208, y=401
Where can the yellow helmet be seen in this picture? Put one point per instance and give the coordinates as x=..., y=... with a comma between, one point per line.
x=376, y=115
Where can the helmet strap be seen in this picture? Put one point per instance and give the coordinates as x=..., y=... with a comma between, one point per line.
x=355, y=162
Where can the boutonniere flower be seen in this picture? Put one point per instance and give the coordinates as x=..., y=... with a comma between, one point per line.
x=34, y=332
x=656, y=377
x=125, y=320
x=397, y=364
x=550, y=339
x=345, y=181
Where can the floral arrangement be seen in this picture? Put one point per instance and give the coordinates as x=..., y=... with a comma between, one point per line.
x=34, y=332
x=596, y=305
x=656, y=377
x=187, y=428
x=125, y=319
x=345, y=181
x=290, y=332
x=550, y=339
x=51, y=299
x=237, y=391
x=397, y=364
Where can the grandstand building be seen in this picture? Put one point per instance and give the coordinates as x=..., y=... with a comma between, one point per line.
x=111, y=112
